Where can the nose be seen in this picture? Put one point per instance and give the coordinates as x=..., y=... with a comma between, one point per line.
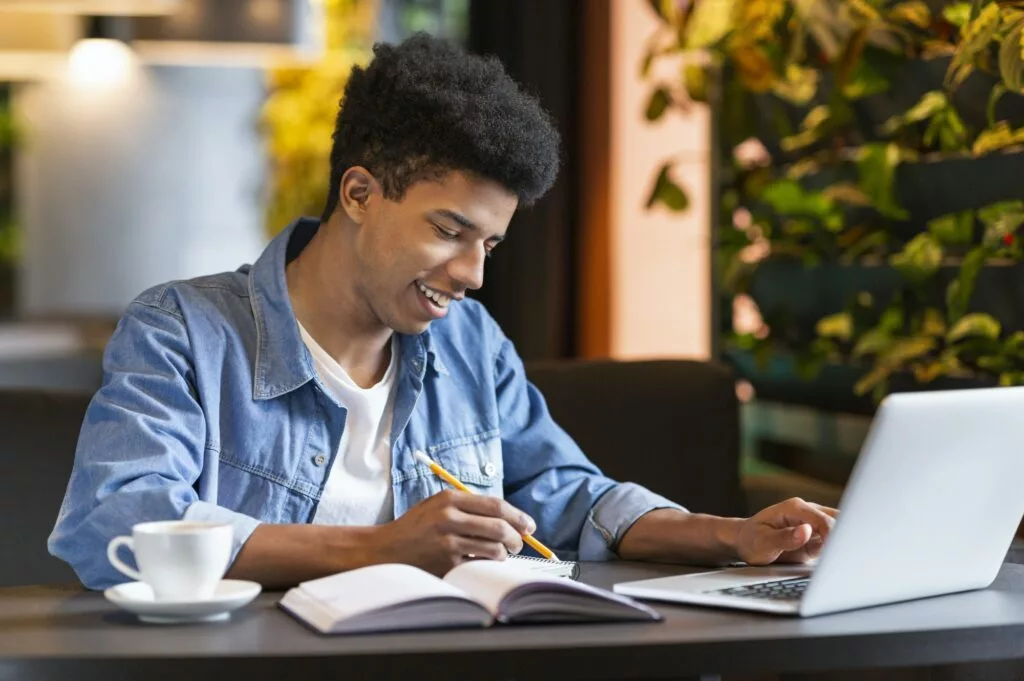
x=467, y=269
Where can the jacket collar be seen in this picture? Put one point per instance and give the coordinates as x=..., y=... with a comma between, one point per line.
x=282, y=361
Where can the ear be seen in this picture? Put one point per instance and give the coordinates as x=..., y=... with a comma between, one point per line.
x=358, y=188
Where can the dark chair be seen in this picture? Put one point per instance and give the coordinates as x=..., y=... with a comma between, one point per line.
x=669, y=425
x=38, y=433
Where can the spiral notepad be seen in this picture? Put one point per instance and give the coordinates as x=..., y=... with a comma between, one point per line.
x=559, y=568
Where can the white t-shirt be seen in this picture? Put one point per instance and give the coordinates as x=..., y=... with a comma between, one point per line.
x=358, y=489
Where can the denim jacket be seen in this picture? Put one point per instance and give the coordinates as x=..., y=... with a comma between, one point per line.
x=211, y=410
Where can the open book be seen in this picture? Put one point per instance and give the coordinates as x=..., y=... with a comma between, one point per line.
x=478, y=593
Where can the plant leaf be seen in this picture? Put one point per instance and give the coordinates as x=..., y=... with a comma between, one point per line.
x=1014, y=344
x=975, y=36
x=1009, y=378
x=1011, y=58
x=658, y=103
x=998, y=90
x=946, y=364
x=864, y=81
x=930, y=104
x=919, y=259
x=798, y=85
x=753, y=66
x=914, y=12
x=871, y=379
x=998, y=137
x=932, y=323
x=708, y=23
x=958, y=293
x=839, y=325
x=953, y=229
x=872, y=342
x=974, y=325
x=846, y=192
x=958, y=13
x=902, y=350
x=695, y=78
x=788, y=197
x=667, y=192
x=876, y=169
x=1000, y=219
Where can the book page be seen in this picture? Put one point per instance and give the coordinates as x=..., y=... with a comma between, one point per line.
x=490, y=581
x=513, y=593
x=375, y=587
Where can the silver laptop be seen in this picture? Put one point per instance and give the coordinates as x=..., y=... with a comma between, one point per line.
x=930, y=508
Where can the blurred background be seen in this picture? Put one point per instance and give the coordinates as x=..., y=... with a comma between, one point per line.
x=825, y=196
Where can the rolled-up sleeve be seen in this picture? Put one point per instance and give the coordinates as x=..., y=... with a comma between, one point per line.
x=142, y=448
x=580, y=513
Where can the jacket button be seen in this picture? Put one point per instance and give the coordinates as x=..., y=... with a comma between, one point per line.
x=319, y=459
x=490, y=469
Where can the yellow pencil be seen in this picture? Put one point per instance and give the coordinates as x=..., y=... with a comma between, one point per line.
x=454, y=482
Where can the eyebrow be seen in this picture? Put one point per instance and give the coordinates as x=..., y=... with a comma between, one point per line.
x=465, y=222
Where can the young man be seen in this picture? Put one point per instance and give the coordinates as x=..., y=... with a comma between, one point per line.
x=288, y=398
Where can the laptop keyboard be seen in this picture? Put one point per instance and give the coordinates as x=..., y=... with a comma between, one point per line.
x=778, y=590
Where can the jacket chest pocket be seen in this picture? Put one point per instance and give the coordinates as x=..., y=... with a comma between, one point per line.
x=475, y=460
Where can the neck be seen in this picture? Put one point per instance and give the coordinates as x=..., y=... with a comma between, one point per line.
x=331, y=309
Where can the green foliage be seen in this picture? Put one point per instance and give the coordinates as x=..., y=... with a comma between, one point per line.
x=798, y=78
x=10, y=135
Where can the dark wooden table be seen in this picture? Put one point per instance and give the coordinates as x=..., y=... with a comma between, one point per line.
x=67, y=633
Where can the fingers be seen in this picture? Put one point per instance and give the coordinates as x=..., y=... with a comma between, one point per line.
x=493, y=530
x=477, y=548
x=796, y=512
x=828, y=510
x=791, y=531
x=493, y=507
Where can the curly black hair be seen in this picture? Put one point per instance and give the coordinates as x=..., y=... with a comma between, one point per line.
x=424, y=108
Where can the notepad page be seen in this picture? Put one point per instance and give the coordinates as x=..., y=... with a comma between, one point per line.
x=559, y=568
x=378, y=586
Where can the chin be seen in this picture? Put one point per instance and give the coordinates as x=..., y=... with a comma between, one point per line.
x=410, y=328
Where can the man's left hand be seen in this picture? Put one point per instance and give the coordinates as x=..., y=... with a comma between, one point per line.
x=792, y=531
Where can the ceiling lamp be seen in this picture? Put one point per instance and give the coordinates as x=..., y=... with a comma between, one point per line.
x=102, y=58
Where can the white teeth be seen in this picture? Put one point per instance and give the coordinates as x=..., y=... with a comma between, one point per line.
x=439, y=298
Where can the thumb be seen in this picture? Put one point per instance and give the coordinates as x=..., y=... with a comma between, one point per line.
x=792, y=538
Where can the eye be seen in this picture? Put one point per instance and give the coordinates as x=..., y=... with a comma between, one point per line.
x=444, y=233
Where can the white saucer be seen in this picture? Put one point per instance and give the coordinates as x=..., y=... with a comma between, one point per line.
x=137, y=597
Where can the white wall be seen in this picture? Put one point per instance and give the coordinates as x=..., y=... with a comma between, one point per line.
x=660, y=288
x=122, y=189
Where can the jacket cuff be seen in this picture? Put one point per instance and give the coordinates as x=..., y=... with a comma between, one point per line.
x=613, y=514
x=205, y=512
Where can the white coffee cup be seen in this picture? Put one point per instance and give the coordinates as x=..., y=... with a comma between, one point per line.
x=179, y=559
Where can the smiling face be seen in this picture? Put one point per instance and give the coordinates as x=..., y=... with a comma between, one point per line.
x=419, y=255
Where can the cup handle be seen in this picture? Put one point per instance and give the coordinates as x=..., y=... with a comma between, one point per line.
x=112, y=547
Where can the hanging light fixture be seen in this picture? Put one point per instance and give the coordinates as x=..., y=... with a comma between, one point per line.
x=102, y=58
x=36, y=35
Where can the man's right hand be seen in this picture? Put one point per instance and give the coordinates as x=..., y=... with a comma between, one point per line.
x=440, y=532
